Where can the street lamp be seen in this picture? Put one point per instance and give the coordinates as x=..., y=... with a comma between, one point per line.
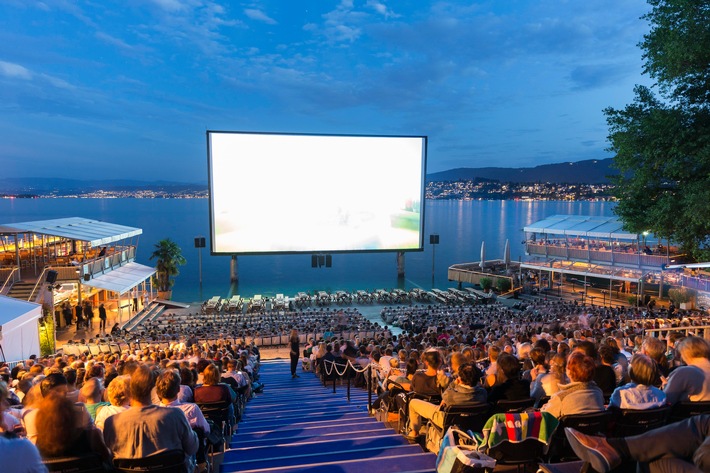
x=433, y=241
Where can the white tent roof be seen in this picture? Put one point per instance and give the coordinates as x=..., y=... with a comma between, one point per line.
x=18, y=320
x=123, y=279
x=582, y=225
x=94, y=232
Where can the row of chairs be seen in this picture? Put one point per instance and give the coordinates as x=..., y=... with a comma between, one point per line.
x=611, y=423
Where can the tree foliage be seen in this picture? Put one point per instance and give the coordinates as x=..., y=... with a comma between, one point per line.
x=662, y=139
x=168, y=256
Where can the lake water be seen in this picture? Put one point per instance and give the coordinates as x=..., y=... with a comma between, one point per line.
x=461, y=225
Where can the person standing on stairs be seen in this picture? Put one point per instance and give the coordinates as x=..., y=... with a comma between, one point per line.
x=294, y=345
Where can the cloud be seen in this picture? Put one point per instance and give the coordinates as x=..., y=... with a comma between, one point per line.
x=381, y=8
x=259, y=15
x=594, y=76
x=14, y=71
x=171, y=5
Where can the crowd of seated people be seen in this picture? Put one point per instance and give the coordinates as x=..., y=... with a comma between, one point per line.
x=572, y=359
x=120, y=407
x=569, y=357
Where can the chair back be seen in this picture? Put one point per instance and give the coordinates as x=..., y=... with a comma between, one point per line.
x=596, y=423
x=89, y=463
x=215, y=411
x=518, y=405
x=519, y=438
x=467, y=416
x=683, y=410
x=628, y=422
x=171, y=461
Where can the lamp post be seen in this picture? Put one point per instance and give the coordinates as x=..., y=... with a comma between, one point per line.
x=433, y=241
x=199, y=244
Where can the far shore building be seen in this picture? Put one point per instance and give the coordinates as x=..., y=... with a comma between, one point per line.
x=595, y=259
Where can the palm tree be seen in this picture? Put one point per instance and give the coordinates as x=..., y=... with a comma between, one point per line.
x=168, y=256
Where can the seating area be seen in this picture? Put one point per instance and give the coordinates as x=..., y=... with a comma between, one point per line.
x=477, y=334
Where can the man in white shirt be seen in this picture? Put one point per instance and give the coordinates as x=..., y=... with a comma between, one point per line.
x=167, y=387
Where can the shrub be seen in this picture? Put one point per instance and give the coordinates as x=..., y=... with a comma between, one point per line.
x=503, y=285
x=681, y=295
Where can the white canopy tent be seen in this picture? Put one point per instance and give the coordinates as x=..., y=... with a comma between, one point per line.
x=94, y=232
x=121, y=280
x=582, y=226
x=20, y=333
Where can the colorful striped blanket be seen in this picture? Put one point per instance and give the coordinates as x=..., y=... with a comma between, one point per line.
x=519, y=426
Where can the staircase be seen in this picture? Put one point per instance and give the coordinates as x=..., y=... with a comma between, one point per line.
x=298, y=425
x=22, y=290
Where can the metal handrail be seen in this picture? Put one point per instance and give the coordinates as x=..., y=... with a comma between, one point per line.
x=7, y=280
x=40, y=280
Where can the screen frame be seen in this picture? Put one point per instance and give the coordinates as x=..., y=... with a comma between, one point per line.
x=212, y=226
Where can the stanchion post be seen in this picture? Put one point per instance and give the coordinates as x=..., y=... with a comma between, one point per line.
x=334, y=377
x=369, y=387
x=348, y=388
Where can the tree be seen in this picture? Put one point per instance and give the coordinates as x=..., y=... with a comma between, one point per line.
x=168, y=256
x=662, y=140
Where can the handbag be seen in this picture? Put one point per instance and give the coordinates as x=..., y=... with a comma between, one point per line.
x=459, y=454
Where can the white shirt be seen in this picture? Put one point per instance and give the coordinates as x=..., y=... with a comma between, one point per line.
x=193, y=413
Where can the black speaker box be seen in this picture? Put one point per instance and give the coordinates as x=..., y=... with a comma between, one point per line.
x=314, y=261
x=51, y=276
x=87, y=277
x=433, y=239
x=328, y=261
x=200, y=242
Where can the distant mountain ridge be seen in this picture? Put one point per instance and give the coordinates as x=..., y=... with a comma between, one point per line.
x=41, y=185
x=591, y=171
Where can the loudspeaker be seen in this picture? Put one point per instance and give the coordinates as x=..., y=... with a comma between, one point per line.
x=200, y=242
x=433, y=239
x=87, y=277
x=328, y=261
x=51, y=276
x=314, y=261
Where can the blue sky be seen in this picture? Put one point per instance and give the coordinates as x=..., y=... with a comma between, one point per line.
x=127, y=89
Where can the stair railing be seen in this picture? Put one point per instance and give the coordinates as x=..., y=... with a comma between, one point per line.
x=40, y=281
x=10, y=277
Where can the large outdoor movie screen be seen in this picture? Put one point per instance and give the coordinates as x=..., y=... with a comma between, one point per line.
x=295, y=193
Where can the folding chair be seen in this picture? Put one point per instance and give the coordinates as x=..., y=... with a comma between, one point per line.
x=218, y=413
x=519, y=438
x=683, y=410
x=465, y=417
x=591, y=424
x=628, y=422
x=89, y=463
x=172, y=461
x=513, y=406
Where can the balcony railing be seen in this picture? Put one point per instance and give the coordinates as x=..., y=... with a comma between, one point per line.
x=624, y=258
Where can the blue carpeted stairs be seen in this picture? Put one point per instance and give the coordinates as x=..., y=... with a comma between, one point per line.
x=297, y=425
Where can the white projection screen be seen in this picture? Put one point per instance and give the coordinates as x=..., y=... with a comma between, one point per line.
x=302, y=193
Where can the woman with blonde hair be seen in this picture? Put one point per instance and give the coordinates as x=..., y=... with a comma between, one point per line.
x=549, y=383
x=119, y=395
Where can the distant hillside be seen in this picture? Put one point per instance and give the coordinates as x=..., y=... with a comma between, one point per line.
x=593, y=171
x=39, y=185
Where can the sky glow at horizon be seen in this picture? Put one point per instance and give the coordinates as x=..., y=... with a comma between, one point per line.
x=127, y=89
